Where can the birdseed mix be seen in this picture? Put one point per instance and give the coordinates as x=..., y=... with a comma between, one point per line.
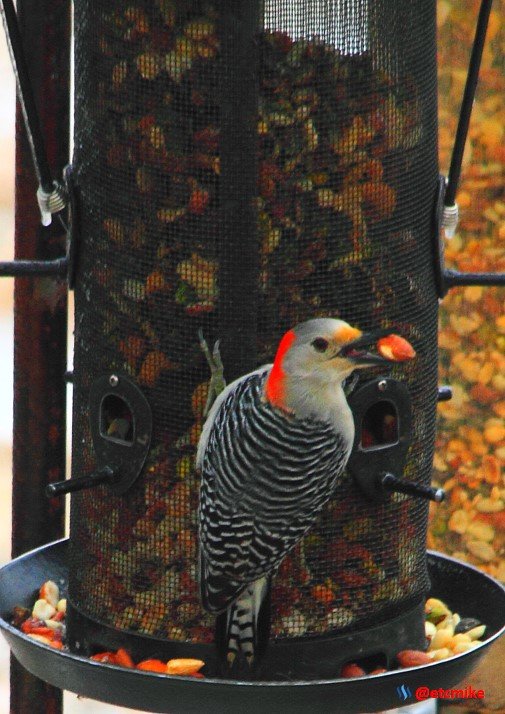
x=447, y=634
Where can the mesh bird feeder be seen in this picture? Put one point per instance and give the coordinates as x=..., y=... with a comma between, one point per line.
x=240, y=167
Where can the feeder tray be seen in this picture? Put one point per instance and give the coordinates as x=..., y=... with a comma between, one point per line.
x=464, y=588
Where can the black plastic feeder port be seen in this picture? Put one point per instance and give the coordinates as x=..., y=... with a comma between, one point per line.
x=121, y=426
x=382, y=410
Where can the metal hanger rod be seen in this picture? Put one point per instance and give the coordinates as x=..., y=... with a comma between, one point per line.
x=466, y=105
x=26, y=96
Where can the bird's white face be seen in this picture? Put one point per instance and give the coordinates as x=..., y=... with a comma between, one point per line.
x=327, y=351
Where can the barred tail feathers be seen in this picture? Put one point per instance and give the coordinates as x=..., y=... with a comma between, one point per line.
x=242, y=631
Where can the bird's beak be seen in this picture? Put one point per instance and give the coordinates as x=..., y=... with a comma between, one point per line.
x=357, y=353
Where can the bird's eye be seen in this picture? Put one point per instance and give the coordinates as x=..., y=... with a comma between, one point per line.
x=320, y=344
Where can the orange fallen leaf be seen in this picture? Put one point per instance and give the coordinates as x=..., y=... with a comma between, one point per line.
x=491, y=468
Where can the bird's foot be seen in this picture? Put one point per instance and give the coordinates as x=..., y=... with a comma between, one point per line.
x=217, y=381
x=239, y=665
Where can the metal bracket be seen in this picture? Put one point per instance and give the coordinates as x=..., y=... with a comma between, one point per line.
x=64, y=266
x=445, y=278
x=33, y=268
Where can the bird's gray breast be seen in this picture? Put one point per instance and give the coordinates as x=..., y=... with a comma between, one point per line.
x=268, y=463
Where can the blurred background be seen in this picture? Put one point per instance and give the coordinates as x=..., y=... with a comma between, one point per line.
x=471, y=436
x=7, y=104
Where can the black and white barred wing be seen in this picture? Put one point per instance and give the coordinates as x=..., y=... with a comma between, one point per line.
x=265, y=479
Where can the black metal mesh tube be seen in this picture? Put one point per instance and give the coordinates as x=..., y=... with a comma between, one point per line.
x=243, y=167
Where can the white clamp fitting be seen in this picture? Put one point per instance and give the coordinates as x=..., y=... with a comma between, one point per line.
x=50, y=203
x=450, y=219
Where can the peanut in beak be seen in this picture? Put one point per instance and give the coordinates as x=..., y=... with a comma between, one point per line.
x=395, y=348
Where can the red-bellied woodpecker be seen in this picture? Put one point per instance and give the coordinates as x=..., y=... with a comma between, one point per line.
x=271, y=452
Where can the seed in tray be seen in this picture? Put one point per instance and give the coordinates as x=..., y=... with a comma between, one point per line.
x=352, y=670
x=466, y=624
x=436, y=610
x=451, y=635
x=43, y=610
x=413, y=658
x=50, y=592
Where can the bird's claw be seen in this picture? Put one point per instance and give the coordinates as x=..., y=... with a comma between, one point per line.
x=214, y=360
x=217, y=381
x=205, y=347
x=351, y=384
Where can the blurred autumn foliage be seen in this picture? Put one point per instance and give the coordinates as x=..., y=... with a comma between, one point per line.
x=471, y=433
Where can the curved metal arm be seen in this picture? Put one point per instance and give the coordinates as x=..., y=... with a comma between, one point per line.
x=50, y=195
x=446, y=278
x=26, y=97
x=467, y=102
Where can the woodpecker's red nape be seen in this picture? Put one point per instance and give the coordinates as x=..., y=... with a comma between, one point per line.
x=275, y=386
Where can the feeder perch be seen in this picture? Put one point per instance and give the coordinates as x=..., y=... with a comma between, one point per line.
x=240, y=167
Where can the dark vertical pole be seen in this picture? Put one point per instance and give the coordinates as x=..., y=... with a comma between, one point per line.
x=239, y=25
x=40, y=319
